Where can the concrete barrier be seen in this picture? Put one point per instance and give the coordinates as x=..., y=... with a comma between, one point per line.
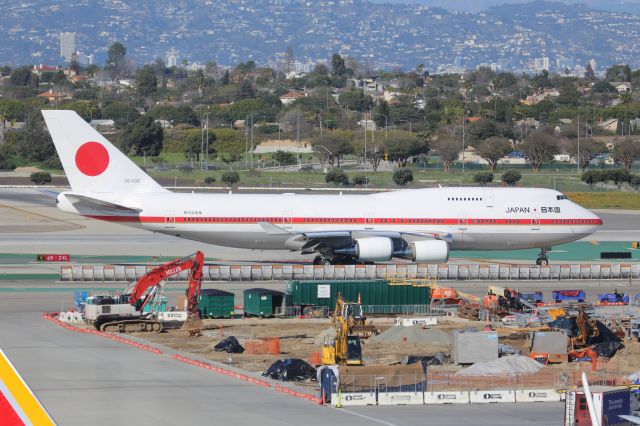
x=360, y=272
x=492, y=396
x=353, y=398
x=537, y=395
x=446, y=397
x=400, y=398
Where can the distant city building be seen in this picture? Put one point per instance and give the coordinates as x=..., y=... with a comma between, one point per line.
x=541, y=64
x=594, y=65
x=172, y=59
x=67, y=45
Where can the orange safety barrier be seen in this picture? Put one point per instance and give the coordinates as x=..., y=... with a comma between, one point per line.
x=53, y=318
x=267, y=346
x=226, y=372
x=297, y=394
x=315, y=359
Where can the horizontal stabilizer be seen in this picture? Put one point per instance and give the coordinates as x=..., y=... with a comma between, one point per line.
x=84, y=203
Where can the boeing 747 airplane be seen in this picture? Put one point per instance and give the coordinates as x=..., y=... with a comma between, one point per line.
x=421, y=225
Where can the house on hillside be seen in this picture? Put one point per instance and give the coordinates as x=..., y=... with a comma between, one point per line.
x=610, y=125
x=52, y=96
x=291, y=97
x=621, y=86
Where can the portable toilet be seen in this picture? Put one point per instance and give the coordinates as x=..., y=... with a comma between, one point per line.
x=262, y=302
x=214, y=303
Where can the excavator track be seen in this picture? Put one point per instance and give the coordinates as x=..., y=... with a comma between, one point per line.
x=132, y=326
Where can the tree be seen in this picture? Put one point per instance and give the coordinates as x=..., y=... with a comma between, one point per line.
x=448, y=147
x=338, y=67
x=510, y=177
x=402, y=176
x=589, y=149
x=337, y=177
x=23, y=76
x=182, y=114
x=230, y=177
x=626, y=99
x=225, y=78
x=618, y=73
x=634, y=181
x=355, y=100
x=360, y=180
x=143, y=137
x=381, y=114
x=592, y=177
x=146, y=82
x=116, y=60
x=480, y=130
x=401, y=146
x=626, y=152
x=120, y=112
x=589, y=74
x=483, y=178
x=539, y=148
x=332, y=146
x=40, y=178
x=493, y=149
x=284, y=158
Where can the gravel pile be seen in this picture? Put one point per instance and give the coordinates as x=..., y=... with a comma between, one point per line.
x=413, y=334
x=326, y=335
x=509, y=365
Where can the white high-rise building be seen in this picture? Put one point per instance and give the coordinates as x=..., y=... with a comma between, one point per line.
x=172, y=58
x=594, y=65
x=67, y=45
x=541, y=64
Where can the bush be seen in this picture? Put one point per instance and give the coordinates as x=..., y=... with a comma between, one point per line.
x=230, y=177
x=483, y=178
x=402, y=176
x=510, y=177
x=40, y=178
x=592, y=177
x=634, y=181
x=337, y=177
x=209, y=180
x=360, y=180
x=617, y=176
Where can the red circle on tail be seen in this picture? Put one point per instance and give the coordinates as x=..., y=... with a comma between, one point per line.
x=92, y=158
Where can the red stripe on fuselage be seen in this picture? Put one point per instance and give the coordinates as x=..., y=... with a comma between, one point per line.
x=345, y=221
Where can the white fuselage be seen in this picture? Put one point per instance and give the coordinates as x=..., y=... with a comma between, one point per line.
x=475, y=218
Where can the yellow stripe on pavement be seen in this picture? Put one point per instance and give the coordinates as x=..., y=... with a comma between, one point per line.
x=21, y=393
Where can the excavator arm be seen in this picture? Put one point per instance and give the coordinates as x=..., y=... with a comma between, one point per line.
x=194, y=263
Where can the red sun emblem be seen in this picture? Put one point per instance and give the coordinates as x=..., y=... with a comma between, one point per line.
x=92, y=158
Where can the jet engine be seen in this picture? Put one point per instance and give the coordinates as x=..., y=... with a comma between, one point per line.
x=374, y=249
x=429, y=251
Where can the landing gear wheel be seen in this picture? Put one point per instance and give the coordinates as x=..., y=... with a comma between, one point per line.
x=542, y=261
x=543, y=258
x=318, y=260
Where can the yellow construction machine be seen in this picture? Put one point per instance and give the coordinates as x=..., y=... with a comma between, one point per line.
x=346, y=348
x=353, y=314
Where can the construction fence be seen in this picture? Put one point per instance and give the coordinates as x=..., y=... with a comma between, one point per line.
x=447, y=388
x=452, y=271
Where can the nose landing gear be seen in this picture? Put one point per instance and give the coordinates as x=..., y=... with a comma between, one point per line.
x=543, y=259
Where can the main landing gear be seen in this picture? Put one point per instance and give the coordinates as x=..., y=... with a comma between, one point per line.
x=543, y=259
x=336, y=260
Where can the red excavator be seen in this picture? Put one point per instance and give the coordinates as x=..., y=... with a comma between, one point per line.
x=142, y=292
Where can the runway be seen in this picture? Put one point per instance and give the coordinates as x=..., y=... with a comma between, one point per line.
x=84, y=379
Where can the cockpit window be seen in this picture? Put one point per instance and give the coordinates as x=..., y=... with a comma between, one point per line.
x=561, y=197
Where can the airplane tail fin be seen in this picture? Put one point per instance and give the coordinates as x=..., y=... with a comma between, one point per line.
x=90, y=161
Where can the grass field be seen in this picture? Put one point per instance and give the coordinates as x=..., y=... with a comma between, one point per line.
x=606, y=200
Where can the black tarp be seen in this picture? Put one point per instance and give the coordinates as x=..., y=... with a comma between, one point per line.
x=291, y=370
x=230, y=345
x=606, y=343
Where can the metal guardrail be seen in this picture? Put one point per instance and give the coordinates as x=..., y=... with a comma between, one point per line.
x=452, y=271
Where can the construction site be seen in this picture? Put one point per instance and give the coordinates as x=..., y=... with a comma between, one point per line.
x=401, y=340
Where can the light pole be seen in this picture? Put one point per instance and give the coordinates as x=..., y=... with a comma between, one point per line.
x=204, y=152
x=406, y=121
x=246, y=139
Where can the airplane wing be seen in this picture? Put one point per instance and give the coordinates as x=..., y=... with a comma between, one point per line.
x=633, y=419
x=327, y=242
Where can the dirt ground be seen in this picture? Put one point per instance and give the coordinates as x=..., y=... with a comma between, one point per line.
x=299, y=339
